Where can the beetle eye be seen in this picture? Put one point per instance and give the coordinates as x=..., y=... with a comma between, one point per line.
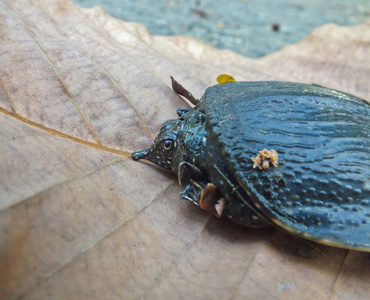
x=167, y=145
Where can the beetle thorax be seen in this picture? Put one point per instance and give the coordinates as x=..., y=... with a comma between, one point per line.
x=191, y=142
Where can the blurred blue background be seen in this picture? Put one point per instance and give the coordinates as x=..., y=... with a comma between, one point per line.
x=252, y=28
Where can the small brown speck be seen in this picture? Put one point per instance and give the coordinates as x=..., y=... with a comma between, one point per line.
x=211, y=200
x=275, y=27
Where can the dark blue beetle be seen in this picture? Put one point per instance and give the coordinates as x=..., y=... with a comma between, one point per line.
x=316, y=185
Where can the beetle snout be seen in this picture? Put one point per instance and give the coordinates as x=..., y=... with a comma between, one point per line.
x=140, y=154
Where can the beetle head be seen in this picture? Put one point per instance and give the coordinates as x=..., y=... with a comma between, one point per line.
x=164, y=147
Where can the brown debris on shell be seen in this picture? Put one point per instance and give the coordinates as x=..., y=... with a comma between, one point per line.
x=265, y=158
x=211, y=201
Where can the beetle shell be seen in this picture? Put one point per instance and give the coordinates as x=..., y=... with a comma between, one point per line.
x=320, y=187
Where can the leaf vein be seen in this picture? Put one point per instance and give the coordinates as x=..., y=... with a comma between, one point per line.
x=7, y=96
x=192, y=242
x=100, y=239
x=22, y=201
x=65, y=87
x=66, y=136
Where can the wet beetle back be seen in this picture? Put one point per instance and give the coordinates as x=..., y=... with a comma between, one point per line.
x=321, y=188
x=318, y=189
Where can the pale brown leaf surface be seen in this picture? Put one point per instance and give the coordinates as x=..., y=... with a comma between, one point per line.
x=79, y=91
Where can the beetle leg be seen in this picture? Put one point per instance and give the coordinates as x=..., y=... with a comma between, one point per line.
x=190, y=179
x=196, y=184
x=188, y=192
x=256, y=218
x=306, y=249
x=182, y=111
x=188, y=171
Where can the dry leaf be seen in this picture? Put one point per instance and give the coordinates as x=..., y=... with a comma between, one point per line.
x=79, y=91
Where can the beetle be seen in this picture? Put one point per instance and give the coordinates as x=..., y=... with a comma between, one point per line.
x=292, y=155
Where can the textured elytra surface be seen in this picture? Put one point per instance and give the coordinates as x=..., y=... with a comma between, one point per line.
x=321, y=187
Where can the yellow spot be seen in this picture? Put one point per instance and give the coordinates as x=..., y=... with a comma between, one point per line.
x=225, y=78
